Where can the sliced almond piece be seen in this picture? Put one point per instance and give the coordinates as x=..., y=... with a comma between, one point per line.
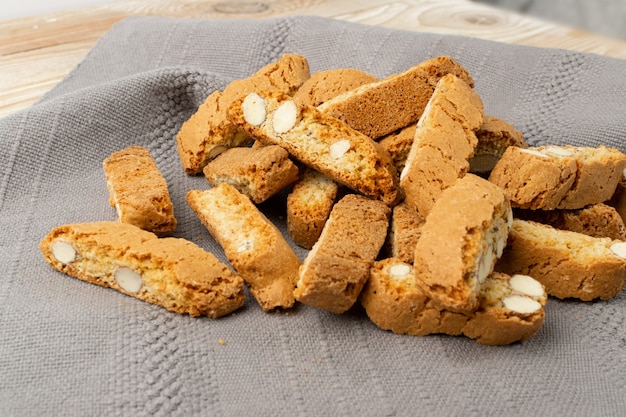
x=129, y=280
x=285, y=117
x=254, y=110
x=521, y=304
x=339, y=148
x=526, y=285
x=63, y=252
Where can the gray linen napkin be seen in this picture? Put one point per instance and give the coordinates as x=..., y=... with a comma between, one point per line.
x=75, y=349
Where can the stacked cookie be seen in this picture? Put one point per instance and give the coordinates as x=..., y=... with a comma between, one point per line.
x=433, y=216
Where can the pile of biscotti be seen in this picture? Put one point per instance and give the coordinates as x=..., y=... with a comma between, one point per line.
x=410, y=200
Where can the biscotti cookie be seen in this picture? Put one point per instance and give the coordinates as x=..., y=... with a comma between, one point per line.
x=335, y=270
x=257, y=172
x=308, y=206
x=324, y=85
x=253, y=245
x=170, y=272
x=404, y=232
x=138, y=190
x=208, y=132
x=444, y=141
x=494, y=136
x=319, y=141
x=393, y=301
x=568, y=264
x=398, y=145
x=597, y=220
x=460, y=241
x=512, y=309
x=558, y=177
x=380, y=108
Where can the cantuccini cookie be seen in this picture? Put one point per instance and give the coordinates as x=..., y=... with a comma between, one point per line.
x=398, y=145
x=597, y=220
x=335, y=270
x=252, y=243
x=170, y=272
x=460, y=241
x=494, y=136
x=138, y=191
x=404, y=232
x=378, y=109
x=327, y=84
x=319, y=141
x=257, y=172
x=208, y=132
x=559, y=177
x=568, y=264
x=308, y=206
x=511, y=309
x=444, y=141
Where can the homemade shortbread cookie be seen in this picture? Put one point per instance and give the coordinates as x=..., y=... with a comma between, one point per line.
x=252, y=243
x=208, y=132
x=404, y=232
x=170, y=272
x=138, y=190
x=378, y=109
x=308, y=206
x=597, y=220
x=494, y=136
x=444, y=141
x=324, y=85
x=568, y=264
x=559, y=177
x=335, y=270
x=319, y=141
x=258, y=172
x=511, y=309
x=460, y=241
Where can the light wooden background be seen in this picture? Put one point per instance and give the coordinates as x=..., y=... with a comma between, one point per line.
x=37, y=52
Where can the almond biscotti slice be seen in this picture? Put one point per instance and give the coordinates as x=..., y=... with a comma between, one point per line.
x=380, y=108
x=138, y=190
x=319, y=141
x=258, y=172
x=253, y=245
x=308, y=206
x=404, y=232
x=327, y=84
x=568, y=264
x=494, y=136
x=170, y=272
x=335, y=270
x=444, y=141
x=462, y=237
x=208, y=132
x=398, y=145
x=597, y=220
x=559, y=177
x=511, y=309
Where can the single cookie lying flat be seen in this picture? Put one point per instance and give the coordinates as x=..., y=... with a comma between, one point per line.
x=335, y=270
x=138, y=190
x=251, y=242
x=170, y=272
x=568, y=264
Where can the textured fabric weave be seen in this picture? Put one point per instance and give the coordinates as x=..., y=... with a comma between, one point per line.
x=74, y=349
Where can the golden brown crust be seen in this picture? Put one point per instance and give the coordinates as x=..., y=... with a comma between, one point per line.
x=568, y=264
x=559, y=177
x=208, y=131
x=335, y=270
x=308, y=207
x=458, y=246
x=138, y=190
x=362, y=166
x=444, y=141
x=325, y=85
x=378, y=109
x=257, y=172
x=175, y=274
x=252, y=244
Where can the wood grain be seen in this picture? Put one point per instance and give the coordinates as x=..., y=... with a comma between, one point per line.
x=38, y=52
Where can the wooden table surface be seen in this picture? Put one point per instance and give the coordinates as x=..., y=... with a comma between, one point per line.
x=37, y=52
